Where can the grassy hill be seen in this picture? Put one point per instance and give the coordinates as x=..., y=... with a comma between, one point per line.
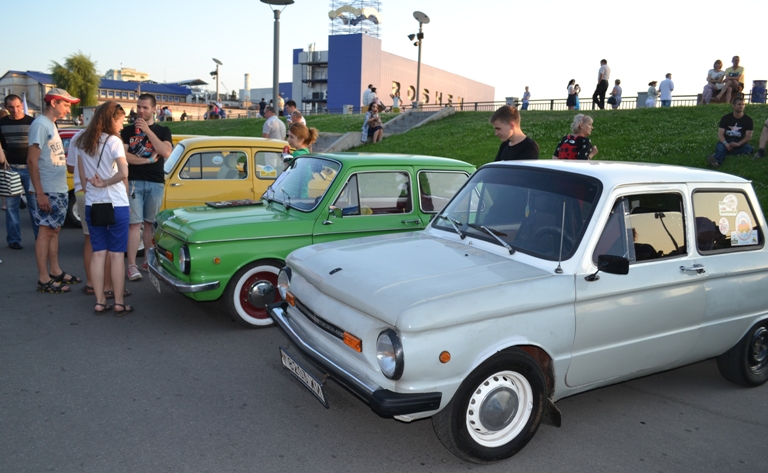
x=682, y=135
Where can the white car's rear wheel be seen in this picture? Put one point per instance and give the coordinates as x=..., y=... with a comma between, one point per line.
x=747, y=362
x=496, y=410
x=236, y=295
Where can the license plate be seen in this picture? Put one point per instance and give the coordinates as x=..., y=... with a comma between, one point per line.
x=155, y=282
x=307, y=379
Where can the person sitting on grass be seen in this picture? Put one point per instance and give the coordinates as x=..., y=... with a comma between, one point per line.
x=763, y=141
x=733, y=134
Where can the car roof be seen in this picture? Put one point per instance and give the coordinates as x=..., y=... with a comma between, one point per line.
x=617, y=173
x=392, y=159
x=234, y=141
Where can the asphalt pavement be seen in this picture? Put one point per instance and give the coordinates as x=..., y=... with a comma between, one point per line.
x=178, y=386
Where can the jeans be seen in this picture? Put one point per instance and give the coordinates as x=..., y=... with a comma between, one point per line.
x=666, y=103
x=12, y=222
x=145, y=200
x=525, y=106
x=599, y=96
x=721, y=151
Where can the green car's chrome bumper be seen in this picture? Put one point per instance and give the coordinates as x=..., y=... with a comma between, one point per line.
x=178, y=285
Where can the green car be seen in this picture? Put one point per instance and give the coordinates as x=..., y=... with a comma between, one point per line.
x=231, y=248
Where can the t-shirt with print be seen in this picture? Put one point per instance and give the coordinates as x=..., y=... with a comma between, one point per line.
x=731, y=72
x=526, y=149
x=105, y=157
x=14, y=138
x=573, y=147
x=735, y=128
x=52, y=162
x=139, y=144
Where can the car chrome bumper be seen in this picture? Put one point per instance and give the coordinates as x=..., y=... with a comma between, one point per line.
x=383, y=402
x=178, y=285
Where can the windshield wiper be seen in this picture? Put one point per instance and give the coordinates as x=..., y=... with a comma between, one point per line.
x=455, y=223
x=288, y=204
x=496, y=237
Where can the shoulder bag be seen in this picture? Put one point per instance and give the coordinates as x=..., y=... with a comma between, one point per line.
x=10, y=182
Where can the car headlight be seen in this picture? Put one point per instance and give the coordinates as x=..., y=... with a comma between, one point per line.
x=284, y=282
x=389, y=353
x=184, y=265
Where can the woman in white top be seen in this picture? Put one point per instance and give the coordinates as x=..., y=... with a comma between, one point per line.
x=104, y=169
x=650, y=102
x=571, y=101
x=715, y=82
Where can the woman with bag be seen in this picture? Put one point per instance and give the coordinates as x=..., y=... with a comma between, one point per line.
x=615, y=98
x=650, y=102
x=104, y=169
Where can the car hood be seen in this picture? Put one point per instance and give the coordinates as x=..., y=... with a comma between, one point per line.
x=203, y=224
x=416, y=281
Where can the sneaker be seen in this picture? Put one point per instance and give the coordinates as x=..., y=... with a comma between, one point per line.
x=145, y=267
x=760, y=154
x=15, y=246
x=712, y=162
x=133, y=273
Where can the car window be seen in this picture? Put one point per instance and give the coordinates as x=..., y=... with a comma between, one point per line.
x=436, y=188
x=269, y=165
x=725, y=221
x=304, y=183
x=644, y=227
x=376, y=193
x=531, y=210
x=176, y=154
x=215, y=165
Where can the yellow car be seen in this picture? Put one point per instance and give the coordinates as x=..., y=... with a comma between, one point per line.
x=209, y=169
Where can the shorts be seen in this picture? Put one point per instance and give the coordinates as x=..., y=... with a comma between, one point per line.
x=145, y=198
x=80, y=196
x=373, y=130
x=112, y=238
x=58, y=214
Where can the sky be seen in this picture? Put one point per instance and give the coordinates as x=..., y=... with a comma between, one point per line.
x=503, y=43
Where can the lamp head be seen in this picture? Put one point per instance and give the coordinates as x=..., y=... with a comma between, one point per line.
x=411, y=36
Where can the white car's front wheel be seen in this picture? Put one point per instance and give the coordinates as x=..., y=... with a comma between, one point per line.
x=496, y=410
x=236, y=295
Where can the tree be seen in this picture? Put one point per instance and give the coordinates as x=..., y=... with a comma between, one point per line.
x=78, y=76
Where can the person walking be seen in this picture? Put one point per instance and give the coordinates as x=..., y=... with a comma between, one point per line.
x=665, y=90
x=570, y=102
x=48, y=175
x=603, y=76
x=14, y=141
x=103, y=168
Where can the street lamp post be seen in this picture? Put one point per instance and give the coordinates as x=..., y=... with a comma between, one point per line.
x=423, y=19
x=276, y=59
x=218, y=63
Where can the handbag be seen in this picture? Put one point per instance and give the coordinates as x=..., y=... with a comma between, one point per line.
x=10, y=182
x=102, y=213
x=612, y=100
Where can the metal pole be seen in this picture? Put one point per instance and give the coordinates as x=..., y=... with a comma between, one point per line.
x=418, y=71
x=275, y=72
x=217, y=84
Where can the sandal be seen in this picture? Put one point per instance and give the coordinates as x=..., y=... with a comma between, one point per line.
x=51, y=287
x=104, y=307
x=61, y=278
x=127, y=309
x=88, y=290
x=111, y=294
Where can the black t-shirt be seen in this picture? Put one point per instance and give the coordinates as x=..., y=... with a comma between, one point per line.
x=526, y=149
x=140, y=145
x=735, y=128
x=14, y=138
x=573, y=147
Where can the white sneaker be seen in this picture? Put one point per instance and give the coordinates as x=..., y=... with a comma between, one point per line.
x=133, y=272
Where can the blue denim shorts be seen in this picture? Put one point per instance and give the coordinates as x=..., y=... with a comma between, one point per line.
x=59, y=207
x=113, y=238
x=145, y=198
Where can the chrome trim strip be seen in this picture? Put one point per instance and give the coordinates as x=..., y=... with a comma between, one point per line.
x=177, y=284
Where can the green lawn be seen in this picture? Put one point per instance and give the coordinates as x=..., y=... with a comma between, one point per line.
x=680, y=135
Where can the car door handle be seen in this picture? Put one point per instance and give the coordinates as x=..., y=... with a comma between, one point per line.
x=176, y=184
x=416, y=221
x=698, y=268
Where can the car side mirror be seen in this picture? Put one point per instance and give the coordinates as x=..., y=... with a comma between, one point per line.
x=335, y=211
x=610, y=264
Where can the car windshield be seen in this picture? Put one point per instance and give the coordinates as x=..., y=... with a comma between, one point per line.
x=303, y=185
x=170, y=163
x=531, y=210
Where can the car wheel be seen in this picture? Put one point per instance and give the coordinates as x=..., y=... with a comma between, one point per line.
x=73, y=216
x=746, y=363
x=238, y=305
x=496, y=410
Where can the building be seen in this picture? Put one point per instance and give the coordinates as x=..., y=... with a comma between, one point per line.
x=126, y=74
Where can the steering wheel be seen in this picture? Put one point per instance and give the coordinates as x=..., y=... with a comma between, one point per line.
x=555, y=232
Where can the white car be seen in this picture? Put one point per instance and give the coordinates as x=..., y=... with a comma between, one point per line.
x=539, y=280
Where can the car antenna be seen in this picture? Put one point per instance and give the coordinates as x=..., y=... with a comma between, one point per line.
x=559, y=269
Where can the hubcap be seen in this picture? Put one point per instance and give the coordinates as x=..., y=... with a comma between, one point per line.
x=758, y=354
x=261, y=293
x=255, y=280
x=499, y=408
